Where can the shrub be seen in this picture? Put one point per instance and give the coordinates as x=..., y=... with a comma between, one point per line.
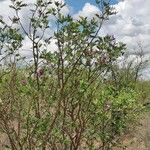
x=70, y=102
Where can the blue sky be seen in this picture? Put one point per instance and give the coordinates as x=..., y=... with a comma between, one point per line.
x=78, y=4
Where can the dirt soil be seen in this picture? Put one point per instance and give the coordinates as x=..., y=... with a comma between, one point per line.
x=139, y=140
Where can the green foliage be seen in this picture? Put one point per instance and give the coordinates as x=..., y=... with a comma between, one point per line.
x=76, y=97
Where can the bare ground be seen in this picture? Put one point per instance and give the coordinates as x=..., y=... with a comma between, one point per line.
x=138, y=140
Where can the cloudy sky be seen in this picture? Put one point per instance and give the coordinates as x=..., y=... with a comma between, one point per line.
x=79, y=4
x=130, y=25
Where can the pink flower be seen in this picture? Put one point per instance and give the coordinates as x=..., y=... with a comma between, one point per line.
x=40, y=72
x=23, y=82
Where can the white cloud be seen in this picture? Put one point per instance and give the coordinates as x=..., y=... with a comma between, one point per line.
x=26, y=50
x=6, y=12
x=88, y=10
x=130, y=25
